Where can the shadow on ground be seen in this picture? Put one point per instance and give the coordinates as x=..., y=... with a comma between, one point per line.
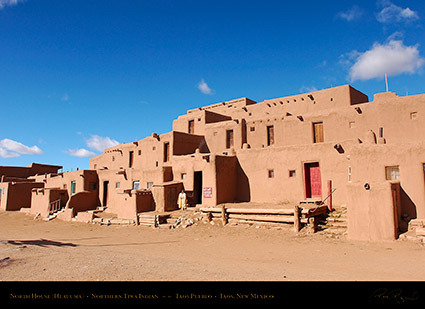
x=40, y=242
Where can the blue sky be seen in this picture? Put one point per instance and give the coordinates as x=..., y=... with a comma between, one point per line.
x=78, y=76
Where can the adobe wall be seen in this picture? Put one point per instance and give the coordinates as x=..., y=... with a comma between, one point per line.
x=15, y=196
x=368, y=162
x=41, y=198
x=373, y=218
x=83, y=201
x=165, y=196
x=85, y=180
x=254, y=180
x=184, y=168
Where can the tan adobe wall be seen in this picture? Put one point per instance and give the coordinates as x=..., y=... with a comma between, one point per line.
x=14, y=196
x=375, y=217
x=41, y=198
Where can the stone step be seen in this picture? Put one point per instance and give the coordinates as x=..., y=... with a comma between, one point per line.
x=333, y=219
x=335, y=231
x=53, y=215
x=412, y=236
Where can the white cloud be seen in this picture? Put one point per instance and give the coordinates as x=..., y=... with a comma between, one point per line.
x=203, y=87
x=6, y=154
x=10, y=148
x=393, y=13
x=351, y=14
x=305, y=89
x=393, y=58
x=99, y=143
x=4, y=3
x=82, y=153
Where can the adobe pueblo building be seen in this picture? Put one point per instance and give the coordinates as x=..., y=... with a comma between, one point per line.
x=331, y=145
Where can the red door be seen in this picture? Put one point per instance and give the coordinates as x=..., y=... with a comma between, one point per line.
x=313, y=180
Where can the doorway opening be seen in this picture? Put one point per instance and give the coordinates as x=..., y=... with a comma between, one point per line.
x=105, y=192
x=313, y=180
x=197, y=187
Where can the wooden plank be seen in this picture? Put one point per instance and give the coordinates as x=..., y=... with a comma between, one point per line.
x=260, y=223
x=282, y=219
x=281, y=211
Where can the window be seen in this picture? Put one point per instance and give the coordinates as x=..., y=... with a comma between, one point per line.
x=381, y=132
x=136, y=185
x=191, y=127
x=229, y=139
x=184, y=175
x=149, y=185
x=270, y=135
x=292, y=173
x=413, y=115
x=318, y=132
x=270, y=173
x=392, y=172
x=140, y=152
x=117, y=185
x=252, y=129
x=73, y=187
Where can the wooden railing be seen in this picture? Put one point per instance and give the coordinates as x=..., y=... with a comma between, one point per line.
x=55, y=206
x=296, y=215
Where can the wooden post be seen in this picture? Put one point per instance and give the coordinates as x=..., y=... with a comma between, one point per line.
x=223, y=215
x=330, y=195
x=312, y=223
x=297, y=222
x=209, y=216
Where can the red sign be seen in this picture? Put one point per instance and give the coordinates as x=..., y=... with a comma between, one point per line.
x=207, y=192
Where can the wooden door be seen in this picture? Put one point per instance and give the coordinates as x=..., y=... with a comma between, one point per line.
x=318, y=132
x=191, y=128
x=313, y=180
x=172, y=197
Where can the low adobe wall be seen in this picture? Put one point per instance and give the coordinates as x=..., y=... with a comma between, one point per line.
x=41, y=198
x=82, y=201
x=373, y=211
x=15, y=196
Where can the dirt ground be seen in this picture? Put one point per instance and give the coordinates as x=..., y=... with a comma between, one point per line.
x=34, y=250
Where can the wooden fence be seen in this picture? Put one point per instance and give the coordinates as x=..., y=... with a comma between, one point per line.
x=296, y=216
x=55, y=206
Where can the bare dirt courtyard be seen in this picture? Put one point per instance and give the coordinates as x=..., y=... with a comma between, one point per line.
x=34, y=250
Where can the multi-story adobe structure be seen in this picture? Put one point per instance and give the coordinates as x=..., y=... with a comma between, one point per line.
x=280, y=151
x=16, y=184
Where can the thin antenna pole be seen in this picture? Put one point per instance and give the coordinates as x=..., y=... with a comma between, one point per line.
x=386, y=81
